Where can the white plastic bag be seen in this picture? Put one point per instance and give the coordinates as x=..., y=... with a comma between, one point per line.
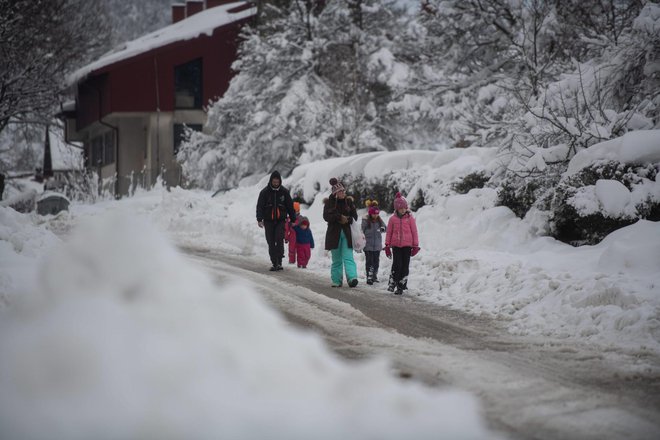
x=359, y=240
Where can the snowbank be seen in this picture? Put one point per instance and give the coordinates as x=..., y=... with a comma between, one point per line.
x=22, y=245
x=635, y=147
x=124, y=338
x=475, y=256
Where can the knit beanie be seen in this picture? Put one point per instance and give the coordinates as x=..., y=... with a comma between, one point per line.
x=304, y=221
x=336, y=186
x=275, y=175
x=400, y=202
x=373, y=210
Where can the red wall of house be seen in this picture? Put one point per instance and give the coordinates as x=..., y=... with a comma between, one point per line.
x=130, y=85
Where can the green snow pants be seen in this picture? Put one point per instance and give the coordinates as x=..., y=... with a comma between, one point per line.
x=342, y=258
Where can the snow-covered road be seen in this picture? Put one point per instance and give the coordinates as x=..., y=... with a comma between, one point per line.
x=529, y=388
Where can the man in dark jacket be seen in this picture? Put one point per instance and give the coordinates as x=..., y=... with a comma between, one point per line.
x=273, y=205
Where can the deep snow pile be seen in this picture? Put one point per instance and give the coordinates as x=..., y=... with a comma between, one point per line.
x=22, y=245
x=123, y=336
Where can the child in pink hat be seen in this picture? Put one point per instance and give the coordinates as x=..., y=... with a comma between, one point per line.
x=401, y=243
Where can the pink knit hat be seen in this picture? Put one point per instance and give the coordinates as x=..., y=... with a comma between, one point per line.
x=400, y=202
x=373, y=210
x=336, y=186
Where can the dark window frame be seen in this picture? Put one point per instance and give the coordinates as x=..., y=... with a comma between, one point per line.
x=102, y=149
x=189, y=85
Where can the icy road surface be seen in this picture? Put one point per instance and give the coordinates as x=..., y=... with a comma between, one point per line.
x=530, y=388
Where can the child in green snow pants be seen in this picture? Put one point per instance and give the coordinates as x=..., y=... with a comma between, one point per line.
x=342, y=258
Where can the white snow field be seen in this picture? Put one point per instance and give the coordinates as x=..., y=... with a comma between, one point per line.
x=111, y=330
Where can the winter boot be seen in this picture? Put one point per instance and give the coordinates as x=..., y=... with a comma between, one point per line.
x=390, y=287
x=399, y=288
x=370, y=277
x=353, y=282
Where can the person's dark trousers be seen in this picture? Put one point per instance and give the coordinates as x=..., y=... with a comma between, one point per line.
x=275, y=238
x=400, y=266
x=372, y=261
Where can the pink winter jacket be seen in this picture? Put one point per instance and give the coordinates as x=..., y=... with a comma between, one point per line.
x=401, y=231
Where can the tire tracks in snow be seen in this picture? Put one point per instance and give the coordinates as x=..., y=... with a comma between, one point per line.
x=530, y=388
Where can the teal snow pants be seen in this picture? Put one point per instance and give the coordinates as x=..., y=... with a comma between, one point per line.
x=342, y=258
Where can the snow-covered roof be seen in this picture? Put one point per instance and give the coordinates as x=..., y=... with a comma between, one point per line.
x=204, y=22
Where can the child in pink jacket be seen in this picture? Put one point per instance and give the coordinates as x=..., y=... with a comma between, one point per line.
x=290, y=233
x=401, y=242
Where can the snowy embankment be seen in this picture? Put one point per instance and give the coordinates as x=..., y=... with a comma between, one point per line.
x=143, y=331
x=115, y=334
x=475, y=256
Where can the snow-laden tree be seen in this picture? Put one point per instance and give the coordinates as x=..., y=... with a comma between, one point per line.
x=473, y=54
x=40, y=41
x=315, y=80
x=601, y=98
x=130, y=19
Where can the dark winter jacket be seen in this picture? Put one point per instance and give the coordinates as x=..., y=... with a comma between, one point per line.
x=373, y=233
x=333, y=209
x=304, y=236
x=275, y=203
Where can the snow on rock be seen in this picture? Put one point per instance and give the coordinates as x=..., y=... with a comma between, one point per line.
x=125, y=338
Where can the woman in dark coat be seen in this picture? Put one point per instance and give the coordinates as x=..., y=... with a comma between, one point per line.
x=339, y=211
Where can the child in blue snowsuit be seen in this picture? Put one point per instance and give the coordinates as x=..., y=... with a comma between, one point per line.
x=304, y=242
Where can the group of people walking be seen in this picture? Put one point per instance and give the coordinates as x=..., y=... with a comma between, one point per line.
x=280, y=217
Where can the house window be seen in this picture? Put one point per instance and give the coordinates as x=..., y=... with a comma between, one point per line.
x=180, y=134
x=188, y=85
x=103, y=149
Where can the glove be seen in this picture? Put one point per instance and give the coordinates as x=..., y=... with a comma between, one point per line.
x=286, y=241
x=261, y=224
x=414, y=251
x=382, y=229
x=343, y=219
x=388, y=252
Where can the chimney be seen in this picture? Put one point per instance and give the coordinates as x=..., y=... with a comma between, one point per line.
x=214, y=3
x=193, y=7
x=178, y=12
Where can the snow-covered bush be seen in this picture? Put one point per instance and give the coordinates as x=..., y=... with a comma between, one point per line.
x=522, y=192
x=384, y=188
x=601, y=198
x=470, y=181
